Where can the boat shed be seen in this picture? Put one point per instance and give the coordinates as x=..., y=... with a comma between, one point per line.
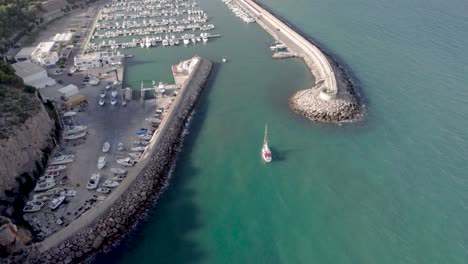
x=68, y=90
x=33, y=74
x=24, y=54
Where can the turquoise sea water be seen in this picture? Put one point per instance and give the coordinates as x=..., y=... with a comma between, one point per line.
x=391, y=190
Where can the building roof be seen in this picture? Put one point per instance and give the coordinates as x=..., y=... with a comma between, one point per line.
x=44, y=47
x=26, y=68
x=69, y=90
x=25, y=52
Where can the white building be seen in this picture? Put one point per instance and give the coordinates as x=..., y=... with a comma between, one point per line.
x=45, y=54
x=68, y=90
x=63, y=37
x=97, y=59
x=33, y=74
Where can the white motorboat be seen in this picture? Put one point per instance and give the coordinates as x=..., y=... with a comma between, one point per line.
x=63, y=159
x=128, y=162
x=102, y=162
x=44, y=185
x=103, y=94
x=31, y=208
x=165, y=42
x=153, y=120
x=108, y=87
x=93, y=81
x=110, y=184
x=117, y=171
x=48, y=174
x=186, y=41
x=119, y=177
x=74, y=130
x=278, y=46
x=120, y=146
x=102, y=102
x=75, y=136
x=135, y=155
x=56, y=202
x=224, y=60
x=114, y=93
x=138, y=149
x=113, y=101
x=93, y=181
x=105, y=147
x=266, y=153
x=47, y=177
x=69, y=193
x=176, y=41
x=103, y=190
x=56, y=168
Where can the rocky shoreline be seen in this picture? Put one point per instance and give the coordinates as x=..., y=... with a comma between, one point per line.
x=141, y=195
x=346, y=106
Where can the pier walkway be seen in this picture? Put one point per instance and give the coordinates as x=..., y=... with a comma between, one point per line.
x=315, y=59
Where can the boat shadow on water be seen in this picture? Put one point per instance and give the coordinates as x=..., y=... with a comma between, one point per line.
x=280, y=155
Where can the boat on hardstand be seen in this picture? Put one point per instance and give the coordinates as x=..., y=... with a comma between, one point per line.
x=102, y=102
x=56, y=168
x=105, y=147
x=120, y=146
x=113, y=101
x=93, y=181
x=74, y=130
x=75, y=136
x=62, y=159
x=31, y=208
x=110, y=184
x=56, y=202
x=114, y=93
x=128, y=162
x=266, y=153
x=138, y=149
x=102, y=162
x=103, y=190
x=102, y=94
x=117, y=171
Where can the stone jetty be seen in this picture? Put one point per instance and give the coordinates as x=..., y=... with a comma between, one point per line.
x=109, y=225
x=333, y=98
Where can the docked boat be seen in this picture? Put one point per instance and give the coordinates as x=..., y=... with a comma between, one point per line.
x=120, y=146
x=266, y=153
x=114, y=93
x=74, y=130
x=45, y=185
x=113, y=101
x=103, y=94
x=146, y=137
x=48, y=177
x=105, y=147
x=119, y=177
x=48, y=174
x=278, y=46
x=63, y=159
x=31, y=208
x=186, y=41
x=108, y=87
x=110, y=184
x=75, y=136
x=103, y=190
x=56, y=168
x=128, y=162
x=102, y=102
x=56, y=202
x=165, y=42
x=93, y=181
x=138, y=149
x=153, y=120
x=102, y=162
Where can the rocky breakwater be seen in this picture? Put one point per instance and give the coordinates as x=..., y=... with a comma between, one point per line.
x=109, y=228
x=333, y=98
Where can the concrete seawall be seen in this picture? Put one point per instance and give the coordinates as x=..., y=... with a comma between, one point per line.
x=333, y=97
x=105, y=224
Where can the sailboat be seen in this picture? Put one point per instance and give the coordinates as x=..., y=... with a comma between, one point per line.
x=266, y=153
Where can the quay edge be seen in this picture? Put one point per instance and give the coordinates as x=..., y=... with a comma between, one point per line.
x=105, y=227
x=333, y=98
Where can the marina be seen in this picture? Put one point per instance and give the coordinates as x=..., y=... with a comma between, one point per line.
x=145, y=24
